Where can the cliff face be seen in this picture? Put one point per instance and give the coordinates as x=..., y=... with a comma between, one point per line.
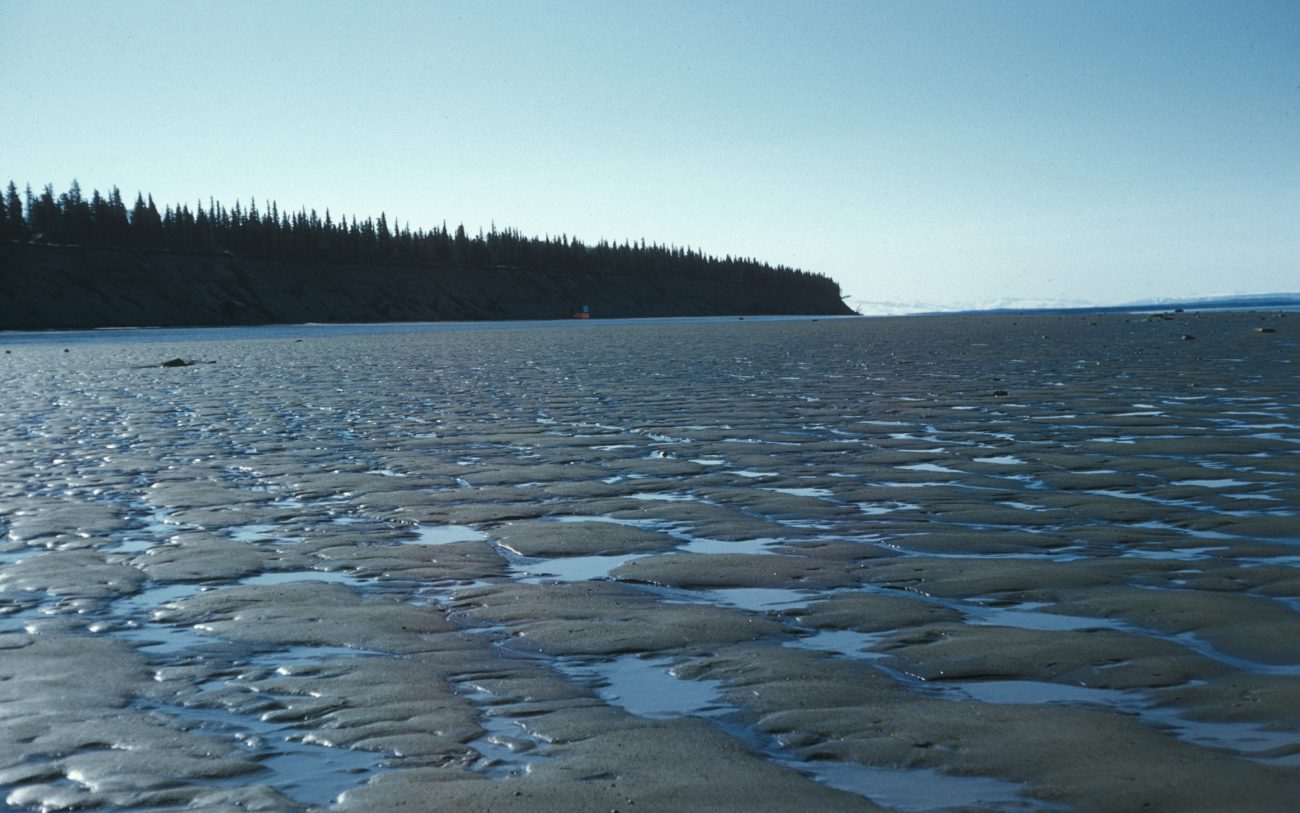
x=68, y=287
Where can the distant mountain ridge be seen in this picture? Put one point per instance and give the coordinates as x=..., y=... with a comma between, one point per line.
x=1285, y=301
x=1226, y=302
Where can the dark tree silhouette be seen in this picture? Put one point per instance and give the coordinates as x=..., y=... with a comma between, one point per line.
x=305, y=237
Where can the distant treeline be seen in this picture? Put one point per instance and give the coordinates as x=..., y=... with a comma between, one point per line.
x=106, y=221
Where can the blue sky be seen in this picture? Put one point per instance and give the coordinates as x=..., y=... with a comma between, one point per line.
x=940, y=154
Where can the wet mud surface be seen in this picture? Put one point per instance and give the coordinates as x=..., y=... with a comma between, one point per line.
x=1003, y=563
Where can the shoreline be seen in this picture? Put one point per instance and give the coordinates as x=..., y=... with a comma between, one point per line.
x=209, y=332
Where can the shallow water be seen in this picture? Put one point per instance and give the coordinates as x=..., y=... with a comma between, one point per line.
x=442, y=535
x=387, y=463
x=644, y=686
x=921, y=789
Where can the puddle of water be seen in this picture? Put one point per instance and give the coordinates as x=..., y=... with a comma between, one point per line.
x=1177, y=553
x=303, y=576
x=842, y=642
x=571, y=568
x=661, y=496
x=1023, y=616
x=1023, y=506
x=895, y=484
x=753, y=474
x=1245, y=738
x=499, y=760
x=761, y=599
x=909, y=790
x=442, y=594
x=317, y=775
x=308, y=773
x=1128, y=495
x=645, y=687
x=153, y=595
x=1212, y=483
x=282, y=658
x=1165, y=526
x=13, y=552
x=813, y=524
x=819, y=493
x=251, y=533
x=919, y=789
x=723, y=546
x=1192, y=641
x=709, y=461
x=506, y=748
x=134, y=544
x=665, y=439
x=757, y=441
x=445, y=534
x=885, y=507
x=158, y=641
x=1031, y=691
x=1001, y=460
x=162, y=640
x=928, y=467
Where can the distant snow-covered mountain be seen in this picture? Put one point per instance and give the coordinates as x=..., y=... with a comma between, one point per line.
x=1280, y=301
x=1222, y=302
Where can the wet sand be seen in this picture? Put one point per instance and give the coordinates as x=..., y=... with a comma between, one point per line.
x=929, y=563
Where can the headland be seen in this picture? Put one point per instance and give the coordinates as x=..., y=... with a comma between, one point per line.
x=45, y=287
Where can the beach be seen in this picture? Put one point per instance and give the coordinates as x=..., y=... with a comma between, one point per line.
x=966, y=562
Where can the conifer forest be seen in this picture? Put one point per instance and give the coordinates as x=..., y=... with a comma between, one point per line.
x=106, y=221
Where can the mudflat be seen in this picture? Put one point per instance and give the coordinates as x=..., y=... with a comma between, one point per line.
x=926, y=563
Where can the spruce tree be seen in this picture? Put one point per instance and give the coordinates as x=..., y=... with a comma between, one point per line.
x=14, y=205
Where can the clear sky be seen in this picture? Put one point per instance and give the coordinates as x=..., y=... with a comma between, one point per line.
x=947, y=154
